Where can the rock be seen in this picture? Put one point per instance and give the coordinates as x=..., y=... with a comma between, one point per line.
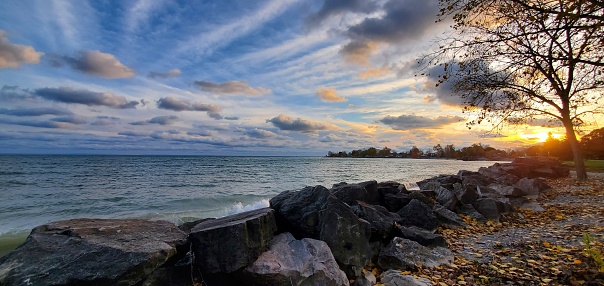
x=534, y=167
x=395, y=278
x=417, y=213
x=470, y=211
x=466, y=194
x=396, y=201
x=445, y=181
x=380, y=219
x=506, y=190
x=373, y=196
x=448, y=218
x=230, y=243
x=490, y=208
x=532, y=187
x=405, y=254
x=295, y=262
x=500, y=173
x=314, y=213
x=93, y=252
x=367, y=279
x=421, y=236
x=187, y=226
x=346, y=235
x=419, y=195
x=446, y=198
x=349, y=194
x=297, y=212
x=527, y=204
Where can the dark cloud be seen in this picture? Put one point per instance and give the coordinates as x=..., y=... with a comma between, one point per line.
x=133, y=134
x=105, y=120
x=161, y=120
x=36, y=123
x=287, y=123
x=93, y=63
x=202, y=133
x=172, y=103
x=34, y=111
x=73, y=119
x=215, y=115
x=336, y=7
x=261, y=133
x=13, y=55
x=86, y=97
x=405, y=122
x=170, y=74
x=231, y=118
x=230, y=87
x=443, y=92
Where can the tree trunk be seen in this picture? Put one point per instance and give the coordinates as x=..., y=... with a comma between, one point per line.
x=577, y=153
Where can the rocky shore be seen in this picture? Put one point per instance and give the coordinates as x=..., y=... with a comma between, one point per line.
x=313, y=236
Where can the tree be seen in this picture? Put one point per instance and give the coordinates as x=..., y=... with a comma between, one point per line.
x=438, y=150
x=385, y=152
x=414, y=152
x=593, y=144
x=522, y=61
x=449, y=151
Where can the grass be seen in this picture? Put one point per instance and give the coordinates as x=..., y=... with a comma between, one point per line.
x=590, y=165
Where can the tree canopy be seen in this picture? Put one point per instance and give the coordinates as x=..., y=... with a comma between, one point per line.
x=524, y=61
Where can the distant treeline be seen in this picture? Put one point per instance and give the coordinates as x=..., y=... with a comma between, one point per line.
x=592, y=145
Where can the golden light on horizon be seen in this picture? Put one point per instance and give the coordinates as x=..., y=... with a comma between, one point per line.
x=537, y=137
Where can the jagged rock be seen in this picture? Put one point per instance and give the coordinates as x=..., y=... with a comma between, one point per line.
x=230, y=243
x=295, y=262
x=396, y=201
x=466, y=194
x=373, y=196
x=346, y=235
x=445, y=181
x=500, y=173
x=93, y=252
x=405, y=254
x=419, y=214
x=527, y=204
x=314, y=213
x=469, y=210
x=418, y=195
x=339, y=184
x=534, y=167
x=349, y=194
x=490, y=208
x=395, y=278
x=421, y=236
x=187, y=226
x=367, y=279
x=446, y=198
x=297, y=212
x=532, y=187
x=380, y=219
x=448, y=218
x=506, y=190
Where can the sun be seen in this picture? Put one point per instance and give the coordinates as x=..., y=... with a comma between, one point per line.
x=539, y=136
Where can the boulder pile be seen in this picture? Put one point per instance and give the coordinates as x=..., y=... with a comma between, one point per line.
x=312, y=236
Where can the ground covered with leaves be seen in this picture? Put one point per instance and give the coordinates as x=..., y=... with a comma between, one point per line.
x=562, y=245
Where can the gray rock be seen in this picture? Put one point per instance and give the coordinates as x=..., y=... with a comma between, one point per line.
x=532, y=187
x=349, y=194
x=470, y=211
x=367, y=279
x=490, y=208
x=466, y=193
x=298, y=211
x=448, y=218
x=446, y=198
x=187, y=226
x=405, y=254
x=380, y=219
x=395, y=278
x=419, y=214
x=499, y=173
x=295, y=262
x=93, y=252
x=506, y=190
x=396, y=201
x=421, y=236
x=230, y=243
x=373, y=196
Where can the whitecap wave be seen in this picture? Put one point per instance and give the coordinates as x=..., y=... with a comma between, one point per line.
x=240, y=207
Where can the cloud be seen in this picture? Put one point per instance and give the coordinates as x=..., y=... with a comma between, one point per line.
x=73, y=119
x=443, y=93
x=261, y=134
x=36, y=123
x=231, y=87
x=202, y=133
x=13, y=55
x=161, y=120
x=105, y=120
x=336, y=7
x=374, y=73
x=329, y=95
x=34, y=111
x=85, y=97
x=287, y=123
x=175, y=104
x=400, y=21
x=170, y=74
x=94, y=63
x=405, y=122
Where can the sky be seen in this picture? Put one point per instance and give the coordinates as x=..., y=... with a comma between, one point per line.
x=272, y=77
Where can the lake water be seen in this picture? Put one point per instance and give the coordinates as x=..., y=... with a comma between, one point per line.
x=38, y=189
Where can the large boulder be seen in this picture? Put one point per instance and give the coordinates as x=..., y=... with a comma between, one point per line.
x=490, y=208
x=405, y=254
x=298, y=211
x=295, y=262
x=448, y=218
x=396, y=201
x=420, y=235
x=446, y=198
x=93, y=252
x=349, y=194
x=470, y=211
x=395, y=278
x=373, y=196
x=532, y=187
x=466, y=194
x=500, y=173
x=535, y=167
x=419, y=214
x=230, y=243
x=380, y=219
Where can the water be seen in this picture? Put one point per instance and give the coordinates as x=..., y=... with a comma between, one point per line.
x=38, y=189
